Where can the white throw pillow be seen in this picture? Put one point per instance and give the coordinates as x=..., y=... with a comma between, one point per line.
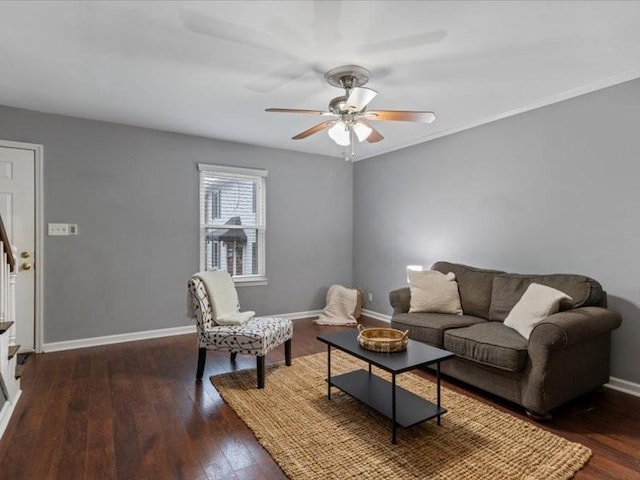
x=434, y=292
x=537, y=303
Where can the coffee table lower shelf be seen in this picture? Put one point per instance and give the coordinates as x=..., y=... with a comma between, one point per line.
x=377, y=393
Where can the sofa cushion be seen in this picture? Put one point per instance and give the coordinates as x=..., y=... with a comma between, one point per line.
x=474, y=284
x=430, y=327
x=536, y=304
x=508, y=288
x=489, y=343
x=434, y=292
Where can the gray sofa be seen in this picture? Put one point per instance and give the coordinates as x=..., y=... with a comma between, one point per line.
x=566, y=355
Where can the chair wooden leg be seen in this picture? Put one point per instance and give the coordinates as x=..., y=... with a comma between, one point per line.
x=233, y=356
x=202, y=356
x=287, y=353
x=260, y=365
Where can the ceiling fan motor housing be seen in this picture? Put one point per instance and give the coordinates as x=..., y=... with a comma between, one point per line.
x=338, y=105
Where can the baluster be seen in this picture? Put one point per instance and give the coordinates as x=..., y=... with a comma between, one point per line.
x=11, y=311
x=3, y=285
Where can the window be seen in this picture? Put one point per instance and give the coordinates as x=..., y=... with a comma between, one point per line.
x=232, y=222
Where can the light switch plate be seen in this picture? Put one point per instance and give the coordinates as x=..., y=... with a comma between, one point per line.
x=58, y=229
x=73, y=229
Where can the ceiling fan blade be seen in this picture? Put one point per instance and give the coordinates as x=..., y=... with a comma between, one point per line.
x=223, y=30
x=315, y=129
x=359, y=98
x=297, y=110
x=400, y=115
x=409, y=41
x=375, y=135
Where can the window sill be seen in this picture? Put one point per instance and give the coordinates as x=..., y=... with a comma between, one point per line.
x=250, y=281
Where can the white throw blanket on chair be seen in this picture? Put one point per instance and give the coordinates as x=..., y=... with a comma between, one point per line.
x=222, y=297
x=341, y=305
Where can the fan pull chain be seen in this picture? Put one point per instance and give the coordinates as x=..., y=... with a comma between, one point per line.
x=350, y=152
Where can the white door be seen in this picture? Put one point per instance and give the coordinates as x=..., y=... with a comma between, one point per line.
x=17, y=207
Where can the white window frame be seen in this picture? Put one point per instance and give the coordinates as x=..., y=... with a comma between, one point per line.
x=260, y=176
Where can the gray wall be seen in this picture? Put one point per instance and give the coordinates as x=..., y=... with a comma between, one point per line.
x=134, y=194
x=552, y=190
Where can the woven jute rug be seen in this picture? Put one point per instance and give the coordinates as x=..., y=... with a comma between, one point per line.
x=311, y=437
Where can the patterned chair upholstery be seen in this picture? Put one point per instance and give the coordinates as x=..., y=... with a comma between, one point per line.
x=257, y=336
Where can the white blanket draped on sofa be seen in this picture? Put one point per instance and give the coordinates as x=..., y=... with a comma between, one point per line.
x=341, y=305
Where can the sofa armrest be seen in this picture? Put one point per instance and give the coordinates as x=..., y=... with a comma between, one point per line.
x=570, y=327
x=569, y=355
x=400, y=300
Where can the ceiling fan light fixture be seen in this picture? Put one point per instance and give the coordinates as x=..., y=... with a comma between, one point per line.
x=362, y=131
x=339, y=133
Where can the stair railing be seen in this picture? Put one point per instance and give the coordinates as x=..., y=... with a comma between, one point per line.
x=8, y=267
x=9, y=384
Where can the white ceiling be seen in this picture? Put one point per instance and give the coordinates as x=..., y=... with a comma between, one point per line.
x=142, y=63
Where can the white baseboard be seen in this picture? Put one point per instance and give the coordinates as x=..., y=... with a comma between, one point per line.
x=135, y=336
x=7, y=411
x=298, y=315
x=624, y=386
x=376, y=315
x=120, y=338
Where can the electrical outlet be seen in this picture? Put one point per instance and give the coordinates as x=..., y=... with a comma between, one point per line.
x=58, y=229
x=370, y=297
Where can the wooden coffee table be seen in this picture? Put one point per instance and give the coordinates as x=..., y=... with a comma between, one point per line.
x=404, y=408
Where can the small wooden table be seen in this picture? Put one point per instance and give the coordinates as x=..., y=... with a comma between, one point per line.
x=401, y=406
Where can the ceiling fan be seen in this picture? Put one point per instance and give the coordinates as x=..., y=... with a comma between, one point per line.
x=351, y=117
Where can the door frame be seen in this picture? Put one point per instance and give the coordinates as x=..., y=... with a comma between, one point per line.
x=39, y=230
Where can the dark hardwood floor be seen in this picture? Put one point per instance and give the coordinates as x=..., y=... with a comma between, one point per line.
x=134, y=411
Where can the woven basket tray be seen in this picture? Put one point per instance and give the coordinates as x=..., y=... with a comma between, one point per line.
x=382, y=339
